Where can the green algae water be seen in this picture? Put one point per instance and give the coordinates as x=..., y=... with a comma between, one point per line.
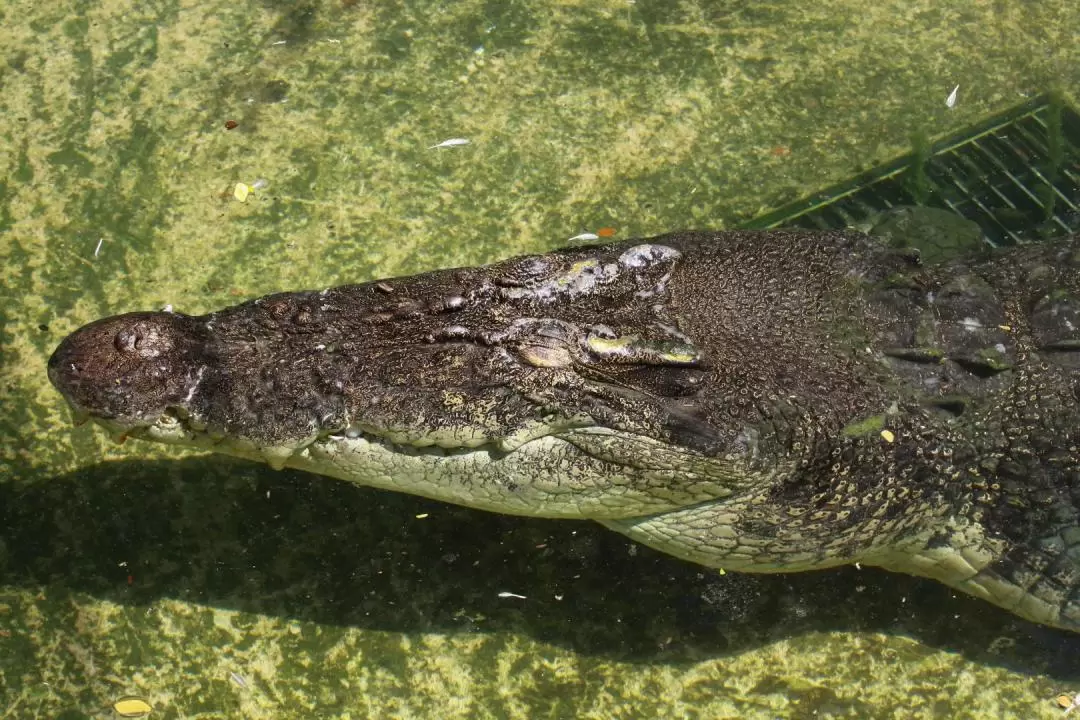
x=201, y=153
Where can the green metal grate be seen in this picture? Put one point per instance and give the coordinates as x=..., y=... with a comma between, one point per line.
x=1017, y=176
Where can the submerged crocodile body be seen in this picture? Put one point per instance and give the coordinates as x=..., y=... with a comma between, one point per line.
x=763, y=402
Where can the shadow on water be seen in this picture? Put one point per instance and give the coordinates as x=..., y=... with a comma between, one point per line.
x=236, y=535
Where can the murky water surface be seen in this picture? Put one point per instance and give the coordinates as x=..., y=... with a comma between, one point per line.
x=214, y=588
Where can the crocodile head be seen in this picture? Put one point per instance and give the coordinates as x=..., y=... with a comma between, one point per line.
x=556, y=385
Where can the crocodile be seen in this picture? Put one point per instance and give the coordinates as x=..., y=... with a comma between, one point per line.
x=769, y=401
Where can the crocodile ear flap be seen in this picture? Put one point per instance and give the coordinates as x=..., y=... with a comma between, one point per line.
x=657, y=391
x=686, y=424
x=654, y=380
x=634, y=401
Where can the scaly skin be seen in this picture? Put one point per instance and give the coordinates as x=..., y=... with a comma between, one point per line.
x=764, y=402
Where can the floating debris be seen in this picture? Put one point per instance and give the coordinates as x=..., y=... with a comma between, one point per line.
x=238, y=679
x=505, y=594
x=1068, y=703
x=452, y=142
x=132, y=706
x=951, y=100
x=231, y=124
x=259, y=184
x=241, y=192
x=584, y=236
x=98, y=248
x=421, y=516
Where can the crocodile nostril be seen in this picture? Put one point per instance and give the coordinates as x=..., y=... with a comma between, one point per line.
x=128, y=340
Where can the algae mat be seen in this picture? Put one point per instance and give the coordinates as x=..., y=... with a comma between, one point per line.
x=218, y=589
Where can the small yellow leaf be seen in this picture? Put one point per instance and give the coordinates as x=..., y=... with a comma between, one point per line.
x=887, y=435
x=132, y=707
x=241, y=192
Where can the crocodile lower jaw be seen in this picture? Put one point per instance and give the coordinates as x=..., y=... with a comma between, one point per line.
x=174, y=430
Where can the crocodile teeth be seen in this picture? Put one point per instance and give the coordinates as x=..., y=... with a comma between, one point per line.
x=276, y=456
